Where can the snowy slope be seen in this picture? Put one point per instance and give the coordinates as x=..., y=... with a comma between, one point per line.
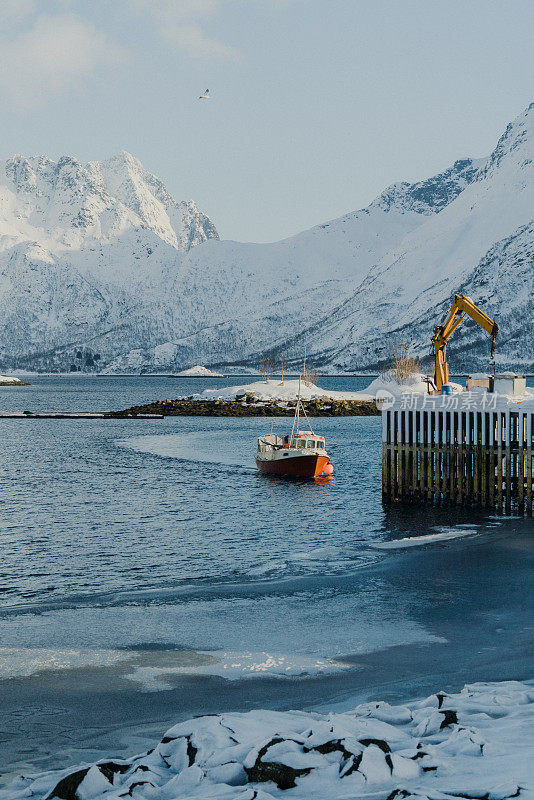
x=101, y=269
x=87, y=249
x=481, y=244
x=246, y=298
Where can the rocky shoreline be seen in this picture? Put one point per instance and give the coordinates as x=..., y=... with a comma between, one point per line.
x=470, y=744
x=250, y=406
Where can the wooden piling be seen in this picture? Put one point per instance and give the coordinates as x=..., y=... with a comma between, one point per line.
x=438, y=451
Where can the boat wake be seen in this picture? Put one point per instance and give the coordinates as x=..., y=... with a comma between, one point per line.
x=200, y=447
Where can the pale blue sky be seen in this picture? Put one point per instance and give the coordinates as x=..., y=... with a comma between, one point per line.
x=317, y=105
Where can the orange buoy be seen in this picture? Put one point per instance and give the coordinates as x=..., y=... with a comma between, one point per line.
x=328, y=469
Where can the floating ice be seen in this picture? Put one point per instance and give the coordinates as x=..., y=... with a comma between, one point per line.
x=25, y=661
x=430, y=538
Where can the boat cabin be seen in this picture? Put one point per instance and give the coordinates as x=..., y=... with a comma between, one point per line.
x=301, y=441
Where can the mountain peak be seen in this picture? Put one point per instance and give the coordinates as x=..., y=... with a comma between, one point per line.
x=431, y=195
x=124, y=159
x=515, y=146
x=68, y=204
x=181, y=225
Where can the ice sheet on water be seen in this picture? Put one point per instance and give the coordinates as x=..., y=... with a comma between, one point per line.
x=292, y=632
x=234, y=666
x=24, y=661
x=316, y=559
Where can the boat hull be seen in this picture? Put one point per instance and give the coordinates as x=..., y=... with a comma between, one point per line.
x=309, y=466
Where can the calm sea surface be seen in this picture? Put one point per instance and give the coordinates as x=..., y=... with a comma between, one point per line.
x=134, y=536
x=92, y=506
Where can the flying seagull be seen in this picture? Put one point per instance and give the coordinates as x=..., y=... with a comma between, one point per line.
x=205, y=96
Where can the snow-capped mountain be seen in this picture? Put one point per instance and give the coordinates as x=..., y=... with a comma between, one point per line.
x=481, y=244
x=85, y=250
x=102, y=269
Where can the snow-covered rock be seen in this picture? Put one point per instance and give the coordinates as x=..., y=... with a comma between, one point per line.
x=5, y=380
x=475, y=744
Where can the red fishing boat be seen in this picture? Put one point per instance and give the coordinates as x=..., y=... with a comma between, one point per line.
x=301, y=454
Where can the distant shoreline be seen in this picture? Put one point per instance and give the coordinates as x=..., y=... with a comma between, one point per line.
x=187, y=377
x=207, y=377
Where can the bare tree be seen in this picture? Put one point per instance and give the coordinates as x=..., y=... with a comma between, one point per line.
x=310, y=376
x=266, y=369
x=404, y=365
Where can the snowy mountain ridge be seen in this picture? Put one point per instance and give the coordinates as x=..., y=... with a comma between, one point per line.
x=101, y=269
x=64, y=202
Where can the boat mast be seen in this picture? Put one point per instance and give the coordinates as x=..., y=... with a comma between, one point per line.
x=304, y=412
x=298, y=396
x=297, y=416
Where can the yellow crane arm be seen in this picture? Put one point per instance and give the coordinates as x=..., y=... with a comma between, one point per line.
x=442, y=333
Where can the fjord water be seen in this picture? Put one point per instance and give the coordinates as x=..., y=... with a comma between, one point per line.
x=148, y=572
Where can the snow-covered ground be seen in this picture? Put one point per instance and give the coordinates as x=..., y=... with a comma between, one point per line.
x=282, y=391
x=477, y=743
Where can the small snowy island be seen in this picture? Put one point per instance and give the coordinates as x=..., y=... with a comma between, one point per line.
x=270, y=398
x=276, y=398
x=6, y=380
x=199, y=372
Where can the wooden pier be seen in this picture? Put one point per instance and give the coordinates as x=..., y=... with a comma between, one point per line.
x=468, y=449
x=75, y=415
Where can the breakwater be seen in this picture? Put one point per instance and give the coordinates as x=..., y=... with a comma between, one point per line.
x=252, y=407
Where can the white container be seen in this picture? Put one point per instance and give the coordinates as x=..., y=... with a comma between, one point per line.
x=480, y=381
x=510, y=384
